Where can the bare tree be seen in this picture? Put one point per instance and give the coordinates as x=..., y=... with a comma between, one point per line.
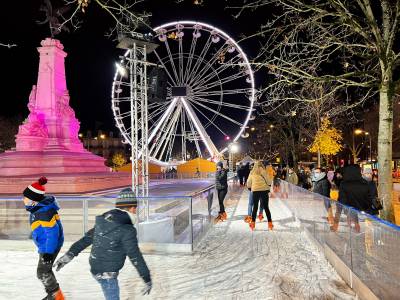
x=351, y=44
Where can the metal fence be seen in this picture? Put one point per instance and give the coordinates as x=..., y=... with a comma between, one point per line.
x=370, y=251
x=175, y=223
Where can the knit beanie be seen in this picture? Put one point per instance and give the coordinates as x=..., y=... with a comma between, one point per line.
x=126, y=197
x=36, y=190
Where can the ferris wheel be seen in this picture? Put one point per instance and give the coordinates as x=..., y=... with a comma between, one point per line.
x=209, y=93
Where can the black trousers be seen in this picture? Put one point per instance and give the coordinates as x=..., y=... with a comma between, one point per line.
x=45, y=274
x=221, y=197
x=257, y=197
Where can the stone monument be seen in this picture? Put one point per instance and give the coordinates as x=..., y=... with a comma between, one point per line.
x=47, y=142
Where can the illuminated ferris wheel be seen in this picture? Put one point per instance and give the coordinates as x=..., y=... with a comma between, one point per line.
x=209, y=93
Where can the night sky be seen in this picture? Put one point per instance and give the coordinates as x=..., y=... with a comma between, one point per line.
x=91, y=55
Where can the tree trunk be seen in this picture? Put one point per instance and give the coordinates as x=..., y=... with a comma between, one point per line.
x=385, y=146
x=319, y=159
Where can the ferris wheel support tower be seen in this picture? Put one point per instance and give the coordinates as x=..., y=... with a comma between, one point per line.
x=137, y=48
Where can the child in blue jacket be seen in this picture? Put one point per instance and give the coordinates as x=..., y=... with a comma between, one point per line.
x=47, y=234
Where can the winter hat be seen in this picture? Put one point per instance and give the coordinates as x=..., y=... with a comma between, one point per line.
x=125, y=198
x=36, y=190
x=220, y=164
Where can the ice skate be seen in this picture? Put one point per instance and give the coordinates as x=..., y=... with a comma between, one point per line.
x=260, y=217
x=270, y=226
x=247, y=219
x=218, y=219
x=224, y=216
x=252, y=225
x=57, y=295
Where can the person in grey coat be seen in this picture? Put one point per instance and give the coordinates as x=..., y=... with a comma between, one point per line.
x=113, y=238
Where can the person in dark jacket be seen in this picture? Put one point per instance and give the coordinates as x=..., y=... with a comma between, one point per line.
x=323, y=187
x=47, y=234
x=354, y=191
x=221, y=185
x=240, y=174
x=367, y=175
x=113, y=238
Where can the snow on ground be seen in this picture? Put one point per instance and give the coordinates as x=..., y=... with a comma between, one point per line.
x=231, y=263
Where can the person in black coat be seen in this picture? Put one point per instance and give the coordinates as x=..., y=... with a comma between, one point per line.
x=322, y=186
x=221, y=185
x=113, y=238
x=240, y=174
x=354, y=191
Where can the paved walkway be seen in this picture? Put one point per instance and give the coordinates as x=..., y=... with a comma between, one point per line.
x=231, y=263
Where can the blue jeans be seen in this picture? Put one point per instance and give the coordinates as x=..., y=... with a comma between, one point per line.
x=109, y=285
x=250, y=207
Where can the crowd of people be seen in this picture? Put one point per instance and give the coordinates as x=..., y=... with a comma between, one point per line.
x=355, y=188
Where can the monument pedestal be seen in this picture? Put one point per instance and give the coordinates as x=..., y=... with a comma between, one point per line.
x=47, y=143
x=68, y=183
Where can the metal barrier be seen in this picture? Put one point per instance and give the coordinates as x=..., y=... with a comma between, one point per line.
x=173, y=223
x=366, y=245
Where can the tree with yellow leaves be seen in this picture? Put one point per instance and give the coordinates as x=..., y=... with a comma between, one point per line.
x=327, y=141
x=118, y=160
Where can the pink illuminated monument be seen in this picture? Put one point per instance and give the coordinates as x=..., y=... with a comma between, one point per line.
x=47, y=142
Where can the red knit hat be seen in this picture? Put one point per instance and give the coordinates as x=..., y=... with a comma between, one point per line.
x=36, y=190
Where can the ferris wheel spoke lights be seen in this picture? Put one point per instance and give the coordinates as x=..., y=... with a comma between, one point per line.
x=208, y=99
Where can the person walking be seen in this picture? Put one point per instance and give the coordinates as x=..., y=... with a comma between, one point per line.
x=221, y=185
x=47, y=234
x=240, y=174
x=322, y=187
x=113, y=238
x=260, y=183
x=354, y=191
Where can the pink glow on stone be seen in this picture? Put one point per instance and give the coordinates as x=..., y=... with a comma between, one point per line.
x=47, y=141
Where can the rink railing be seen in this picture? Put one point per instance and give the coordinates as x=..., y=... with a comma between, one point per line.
x=368, y=259
x=172, y=223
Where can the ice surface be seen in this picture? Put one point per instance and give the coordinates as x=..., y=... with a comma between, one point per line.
x=231, y=263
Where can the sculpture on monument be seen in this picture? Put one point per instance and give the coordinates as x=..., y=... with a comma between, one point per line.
x=34, y=125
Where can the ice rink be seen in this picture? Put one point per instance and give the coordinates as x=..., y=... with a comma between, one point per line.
x=231, y=263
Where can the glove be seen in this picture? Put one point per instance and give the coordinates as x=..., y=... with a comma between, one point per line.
x=146, y=290
x=63, y=260
x=47, y=258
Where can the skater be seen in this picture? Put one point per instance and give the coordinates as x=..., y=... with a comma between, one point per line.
x=260, y=183
x=221, y=185
x=47, y=234
x=112, y=238
x=322, y=186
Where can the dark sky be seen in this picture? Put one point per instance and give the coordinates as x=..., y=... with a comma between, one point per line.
x=91, y=55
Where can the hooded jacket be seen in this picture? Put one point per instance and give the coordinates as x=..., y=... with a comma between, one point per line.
x=113, y=238
x=47, y=230
x=354, y=190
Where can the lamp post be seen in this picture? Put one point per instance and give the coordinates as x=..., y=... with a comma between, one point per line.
x=370, y=145
x=270, y=133
x=233, y=148
x=355, y=132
